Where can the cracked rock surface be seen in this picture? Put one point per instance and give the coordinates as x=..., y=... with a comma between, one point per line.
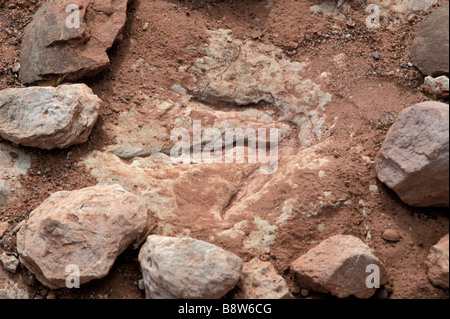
x=249, y=72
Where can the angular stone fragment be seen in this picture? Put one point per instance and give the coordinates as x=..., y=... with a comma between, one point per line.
x=340, y=265
x=438, y=264
x=260, y=280
x=185, y=268
x=54, y=45
x=430, y=50
x=87, y=228
x=414, y=159
x=48, y=117
x=13, y=163
x=437, y=88
x=9, y=262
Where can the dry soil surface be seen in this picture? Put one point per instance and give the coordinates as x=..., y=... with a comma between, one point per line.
x=367, y=94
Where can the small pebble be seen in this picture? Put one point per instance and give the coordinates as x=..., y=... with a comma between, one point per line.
x=295, y=290
x=389, y=288
x=18, y=226
x=141, y=284
x=146, y=26
x=31, y=280
x=304, y=292
x=383, y=294
x=404, y=65
x=376, y=56
x=51, y=296
x=9, y=262
x=16, y=67
x=411, y=18
x=321, y=227
x=391, y=235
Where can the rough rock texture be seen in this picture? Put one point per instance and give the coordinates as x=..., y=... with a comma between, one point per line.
x=414, y=159
x=401, y=8
x=338, y=266
x=13, y=163
x=88, y=228
x=167, y=188
x=245, y=73
x=185, y=268
x=336, y=9
x=3, y=228
x=48, y=117
x=9, y=262
x=430, y=50
x=146, y=132
x=404, y=6
x=260, y=280
x=12, y=286
x=437, y=88
x=197, y=200
x=51, y=50
x=438, y=264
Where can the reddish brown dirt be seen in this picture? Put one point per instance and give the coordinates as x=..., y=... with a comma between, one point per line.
x=368, y=95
